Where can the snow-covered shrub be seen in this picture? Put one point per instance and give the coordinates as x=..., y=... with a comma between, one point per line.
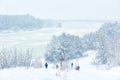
x=14, y=58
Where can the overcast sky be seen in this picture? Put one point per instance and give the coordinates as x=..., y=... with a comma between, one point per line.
x=63, y=9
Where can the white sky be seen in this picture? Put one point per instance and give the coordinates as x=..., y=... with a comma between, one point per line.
x=63, y=9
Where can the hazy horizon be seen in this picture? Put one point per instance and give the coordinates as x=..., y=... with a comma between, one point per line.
x=63, y=9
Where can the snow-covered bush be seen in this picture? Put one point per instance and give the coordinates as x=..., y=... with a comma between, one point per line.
x=14, y=58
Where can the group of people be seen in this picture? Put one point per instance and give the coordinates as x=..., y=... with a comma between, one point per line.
x=76, y=67
x=62, y=66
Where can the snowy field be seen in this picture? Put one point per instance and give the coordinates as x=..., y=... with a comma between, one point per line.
x=87, y=72
x=39, y=39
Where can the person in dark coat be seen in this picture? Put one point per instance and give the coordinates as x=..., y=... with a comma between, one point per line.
x=77, y=68
x=57, y=66
x=71, y=65
x=46, y=65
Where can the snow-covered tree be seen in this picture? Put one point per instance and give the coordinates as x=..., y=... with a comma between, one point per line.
x=25, y=22
x=108, y=41
x=63, y=47
x=88, y=41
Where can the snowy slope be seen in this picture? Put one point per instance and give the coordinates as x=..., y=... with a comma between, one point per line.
x=87, y=72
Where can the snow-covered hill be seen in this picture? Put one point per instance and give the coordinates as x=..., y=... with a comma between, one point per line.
x=87, y=72
x=39, y=39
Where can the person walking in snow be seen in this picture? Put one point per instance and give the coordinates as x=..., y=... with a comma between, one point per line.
x=46, y=65
x=77, y=68
x=72, y=65
x=57, y=66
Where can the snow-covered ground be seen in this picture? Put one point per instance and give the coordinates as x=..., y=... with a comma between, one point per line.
x=87, y=72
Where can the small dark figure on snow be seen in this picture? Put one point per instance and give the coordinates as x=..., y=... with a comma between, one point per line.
x=46, y=65
x=71, y=65
x=77, y=68
x=57, y=66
